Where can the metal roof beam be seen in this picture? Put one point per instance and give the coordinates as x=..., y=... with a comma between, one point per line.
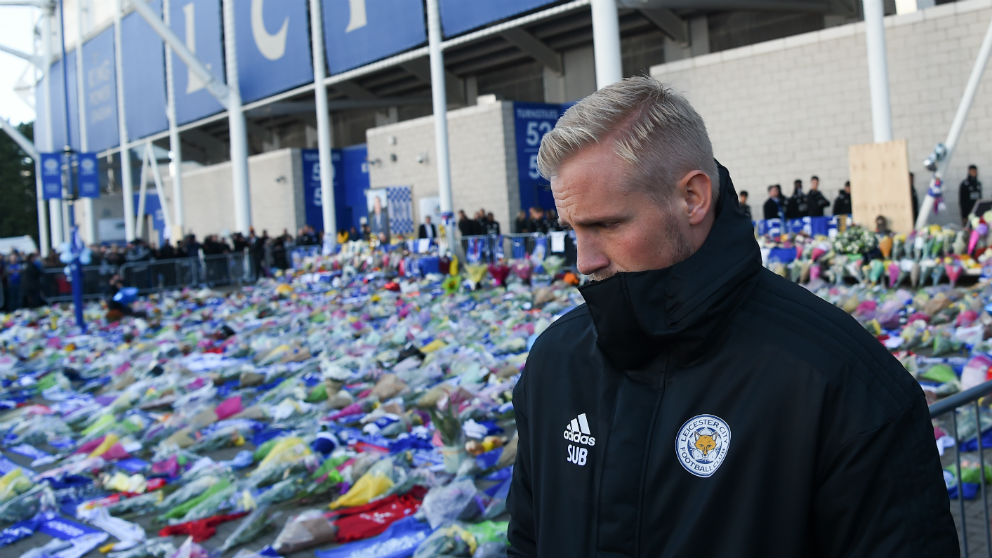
x=421, y=68
x=532, y=46
x=801, y=6
x=352, y=90
x=674, y=27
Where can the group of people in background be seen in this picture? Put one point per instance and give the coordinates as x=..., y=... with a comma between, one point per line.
x=800, y=204
x=814, y=203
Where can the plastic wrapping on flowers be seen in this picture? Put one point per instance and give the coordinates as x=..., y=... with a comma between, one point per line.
x=289, y=412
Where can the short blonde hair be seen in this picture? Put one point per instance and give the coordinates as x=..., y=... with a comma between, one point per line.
x=654, y=130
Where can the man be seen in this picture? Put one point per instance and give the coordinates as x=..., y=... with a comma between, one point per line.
x=796, y=207
x=842, y=205
x=742, y=200
x=538, y=221
x=774, y=207
x=426, y=229
x=466, y=226
x=379, y=221
x=915, y=200
x=816, y=202
x=969, y=192
x=686, y=409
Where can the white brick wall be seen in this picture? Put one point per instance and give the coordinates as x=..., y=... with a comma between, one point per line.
x=482, y=152
x=276, y=204
x=789, y=108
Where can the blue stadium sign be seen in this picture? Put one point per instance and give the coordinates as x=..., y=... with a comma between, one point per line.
x=273, y=46
x=357, y=32
x=100, y=92
x=458, y=16
x=197, y=23
x=143, y=60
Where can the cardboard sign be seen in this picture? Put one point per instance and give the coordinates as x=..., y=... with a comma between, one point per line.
x=880, y=185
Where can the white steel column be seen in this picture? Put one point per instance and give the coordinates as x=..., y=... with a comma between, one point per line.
x=54, y=206
x=89, y=227
x=175, y=145
x=237, y=127
x=327, y=205
x=43, y=239
x=878, y=73
x=125, y=153
x=606, y=42
x=440, y=98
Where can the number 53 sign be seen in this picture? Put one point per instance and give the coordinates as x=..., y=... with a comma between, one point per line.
x=531, y=122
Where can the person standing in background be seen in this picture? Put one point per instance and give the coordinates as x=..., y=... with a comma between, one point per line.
x=969, y=192
x=816, y=202
x=774, y=207
x=842, y=205
x=742, y=199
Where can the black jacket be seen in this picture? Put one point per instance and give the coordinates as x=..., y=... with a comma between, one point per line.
x=714, y=409
x=773, y=209
x=422, y=231
x=796, y=206
x=969, y=192
x=816, y=203
x=842, y=205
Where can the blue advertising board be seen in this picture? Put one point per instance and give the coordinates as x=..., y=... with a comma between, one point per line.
x=273, y=47
x=531, y=121
x=357, y=32
x=51, y=176
x=351, y=180
x=312, y=196
x=143, y=60
x=89, y=175
x=458, y=16
x=100, y=92
x=197, y=23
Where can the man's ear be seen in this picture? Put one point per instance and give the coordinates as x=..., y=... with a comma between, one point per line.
x=697, y=191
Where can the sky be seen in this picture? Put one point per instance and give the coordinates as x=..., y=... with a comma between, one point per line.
x=16, y=26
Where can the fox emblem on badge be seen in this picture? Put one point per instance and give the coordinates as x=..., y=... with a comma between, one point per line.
x=702, y=444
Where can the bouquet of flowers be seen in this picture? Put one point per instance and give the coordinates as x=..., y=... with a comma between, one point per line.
x=855, y=240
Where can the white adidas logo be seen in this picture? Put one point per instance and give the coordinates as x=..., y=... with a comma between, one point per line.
x=578, y=431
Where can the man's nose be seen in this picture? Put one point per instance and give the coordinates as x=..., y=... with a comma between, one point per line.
x=590, y=258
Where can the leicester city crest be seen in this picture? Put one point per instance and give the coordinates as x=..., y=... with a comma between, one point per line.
x=702, y=444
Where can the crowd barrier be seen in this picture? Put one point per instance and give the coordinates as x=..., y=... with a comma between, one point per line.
x=536, y=246
x=148, y=276
x=951, y=406
x=811, y=226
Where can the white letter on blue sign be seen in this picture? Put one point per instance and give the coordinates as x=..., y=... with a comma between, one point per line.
x=272, y=46
x=358, y=19
x=193, y=83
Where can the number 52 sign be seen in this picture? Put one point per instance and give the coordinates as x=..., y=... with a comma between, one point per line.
x=531, y=122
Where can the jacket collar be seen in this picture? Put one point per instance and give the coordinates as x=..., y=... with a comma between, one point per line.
x=678, y=310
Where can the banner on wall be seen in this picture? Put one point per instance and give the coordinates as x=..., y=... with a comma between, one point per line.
x=89, y=175
x=143, y=62
x=198, y=24
x=361, y=31
x=273, y=47
x=100, y=92
x=51, y=176
x=531, y=121
x=458, y=16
